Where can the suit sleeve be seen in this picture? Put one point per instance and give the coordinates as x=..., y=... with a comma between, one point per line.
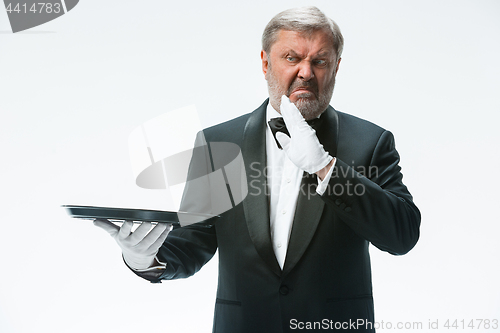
x=188, y=248
x=374, y=202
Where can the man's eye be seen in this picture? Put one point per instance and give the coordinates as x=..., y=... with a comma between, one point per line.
x=291, y=59
x=320, y=62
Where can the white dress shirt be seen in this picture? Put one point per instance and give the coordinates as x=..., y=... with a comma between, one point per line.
x=283, y=183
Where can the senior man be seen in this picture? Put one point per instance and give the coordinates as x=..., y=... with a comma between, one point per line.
x=294, y=254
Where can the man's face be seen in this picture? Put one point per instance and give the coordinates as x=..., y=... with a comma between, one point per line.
x=302, y=67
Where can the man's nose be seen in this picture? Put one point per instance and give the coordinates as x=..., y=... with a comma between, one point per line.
x=305, y=71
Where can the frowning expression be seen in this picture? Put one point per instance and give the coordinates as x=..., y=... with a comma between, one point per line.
x=303, y=67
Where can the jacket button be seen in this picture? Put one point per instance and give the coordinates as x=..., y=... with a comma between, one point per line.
x=284, y=290
x=338, y=201
x=347, y=209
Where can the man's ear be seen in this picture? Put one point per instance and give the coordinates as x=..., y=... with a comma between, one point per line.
x=337, y=68
x=265, y=63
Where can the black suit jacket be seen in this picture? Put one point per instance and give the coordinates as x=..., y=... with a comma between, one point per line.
x=326, y=279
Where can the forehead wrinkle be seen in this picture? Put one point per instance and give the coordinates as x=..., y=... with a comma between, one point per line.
x=301, y=49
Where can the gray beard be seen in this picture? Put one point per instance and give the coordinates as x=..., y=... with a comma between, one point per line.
x=309, y=109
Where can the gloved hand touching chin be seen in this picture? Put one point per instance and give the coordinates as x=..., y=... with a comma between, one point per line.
x=302, y=147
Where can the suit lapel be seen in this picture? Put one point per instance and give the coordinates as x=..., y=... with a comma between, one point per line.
x=309, y=204
x=328, y=133
x=256, y=204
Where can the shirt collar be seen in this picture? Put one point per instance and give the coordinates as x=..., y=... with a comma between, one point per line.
x=271, y=113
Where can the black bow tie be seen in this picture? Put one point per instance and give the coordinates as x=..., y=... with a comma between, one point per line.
x=278, y=125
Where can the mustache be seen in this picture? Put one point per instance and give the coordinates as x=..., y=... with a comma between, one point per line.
x=309, y=85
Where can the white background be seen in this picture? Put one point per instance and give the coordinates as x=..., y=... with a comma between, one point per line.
x=73, y=89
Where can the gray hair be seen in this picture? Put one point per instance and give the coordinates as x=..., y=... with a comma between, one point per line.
x=305, y=19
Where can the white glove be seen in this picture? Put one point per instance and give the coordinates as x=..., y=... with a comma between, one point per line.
x=139, y=248
x=303, y=147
